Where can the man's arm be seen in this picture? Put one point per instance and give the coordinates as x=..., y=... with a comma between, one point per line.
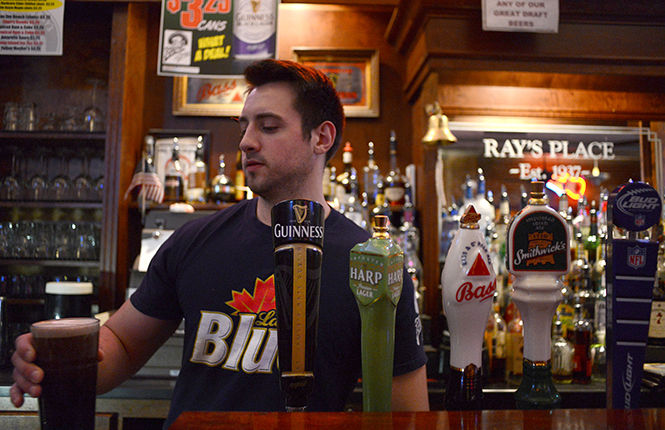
x=410, y=391
x=127, y=341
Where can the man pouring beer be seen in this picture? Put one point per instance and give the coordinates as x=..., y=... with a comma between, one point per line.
x=216, y=272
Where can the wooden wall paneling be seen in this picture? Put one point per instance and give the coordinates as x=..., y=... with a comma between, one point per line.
x=355, y=27
x=556, y=103
x=427, y=204
x=124, y=140
x=658, y=165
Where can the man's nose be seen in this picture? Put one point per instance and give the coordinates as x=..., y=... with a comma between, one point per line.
x=248, y=143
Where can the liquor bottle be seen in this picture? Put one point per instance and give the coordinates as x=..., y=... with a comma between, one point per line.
x=582, y=331
x=371, y=177
x=498, y=247
x=469, y=284
x=565, y=311
x=174, y=179
x=409, y=236
x=325, y=184
x=221, y=186
x=198, y=176
x=379, y=258
x=482, y=205
x=563, y=205
x=537, y=255
x=657, y=320
x=581, y=275
x=353, y=209
x=524, y=197
x=381, y=207
x=298, y=256
x=449, y=222
x=395, y=184
x=600, y=290
x=495, y=341
x=562, y=356
x=592, y=241
x=581, y=220
x=241, y=194
x=598, y=352
x=345, y=178
x=333, y=202
x=515, y=348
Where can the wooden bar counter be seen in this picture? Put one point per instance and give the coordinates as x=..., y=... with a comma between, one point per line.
x=559, y=419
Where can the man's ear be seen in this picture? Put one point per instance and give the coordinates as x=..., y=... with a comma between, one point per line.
x=323, y=137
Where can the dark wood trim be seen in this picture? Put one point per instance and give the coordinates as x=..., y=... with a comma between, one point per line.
x=126, y=101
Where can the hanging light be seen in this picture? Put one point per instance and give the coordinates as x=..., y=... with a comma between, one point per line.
x=438, y=132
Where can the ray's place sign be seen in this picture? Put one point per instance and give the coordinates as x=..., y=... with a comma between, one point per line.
x=537, y=148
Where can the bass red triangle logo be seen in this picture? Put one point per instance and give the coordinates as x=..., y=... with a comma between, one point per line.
x=478, y=268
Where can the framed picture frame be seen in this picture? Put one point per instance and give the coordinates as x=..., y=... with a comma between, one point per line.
x=355, y=73
x=208, y=96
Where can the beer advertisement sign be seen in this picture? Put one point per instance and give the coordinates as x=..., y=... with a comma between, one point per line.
x=215, y=37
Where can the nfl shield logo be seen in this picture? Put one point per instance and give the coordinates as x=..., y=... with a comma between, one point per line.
x=637, y=257
x=639, y=220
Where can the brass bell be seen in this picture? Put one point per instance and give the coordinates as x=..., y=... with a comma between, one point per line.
x=438, y=132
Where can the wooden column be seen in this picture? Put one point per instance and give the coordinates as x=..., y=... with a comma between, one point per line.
x=125, y=128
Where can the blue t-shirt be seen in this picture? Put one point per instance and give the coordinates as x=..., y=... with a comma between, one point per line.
x=216, y=272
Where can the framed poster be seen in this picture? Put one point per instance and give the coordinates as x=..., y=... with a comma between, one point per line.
x=187, y=141
x=355, y=73
x=208, y=96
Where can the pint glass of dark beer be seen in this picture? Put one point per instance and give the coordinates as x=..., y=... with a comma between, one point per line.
x=67, y=352
x=298, y=241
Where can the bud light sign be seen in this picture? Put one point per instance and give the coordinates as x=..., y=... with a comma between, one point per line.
x=637, y=206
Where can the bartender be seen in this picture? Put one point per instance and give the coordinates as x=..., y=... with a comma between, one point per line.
x=216, y=272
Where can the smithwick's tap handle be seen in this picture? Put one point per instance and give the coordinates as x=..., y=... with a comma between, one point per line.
x=376, y=273
x=469, y=283
x=537, y=255
x=298, y=227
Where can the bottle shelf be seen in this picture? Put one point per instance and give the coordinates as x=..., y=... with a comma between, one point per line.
x=48, y=263
x=25, y=136
x=51, y=204
x=196, y=206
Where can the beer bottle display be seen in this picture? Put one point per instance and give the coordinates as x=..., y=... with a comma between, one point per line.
x=174, y=181
x=376, y=281
x=469, y=284
x=538, y=255
x=298, y=253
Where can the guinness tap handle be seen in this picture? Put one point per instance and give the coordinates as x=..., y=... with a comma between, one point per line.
x=297, y=227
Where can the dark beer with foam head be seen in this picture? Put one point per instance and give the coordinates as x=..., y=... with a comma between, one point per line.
x=67, y=352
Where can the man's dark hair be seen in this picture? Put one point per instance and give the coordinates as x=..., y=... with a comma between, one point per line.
x=316, y=98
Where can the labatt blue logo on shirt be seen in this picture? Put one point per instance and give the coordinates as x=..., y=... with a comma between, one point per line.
x=250, y=344
x=637, y=206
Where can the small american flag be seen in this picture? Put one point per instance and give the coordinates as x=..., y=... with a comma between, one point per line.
x=151, y=186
